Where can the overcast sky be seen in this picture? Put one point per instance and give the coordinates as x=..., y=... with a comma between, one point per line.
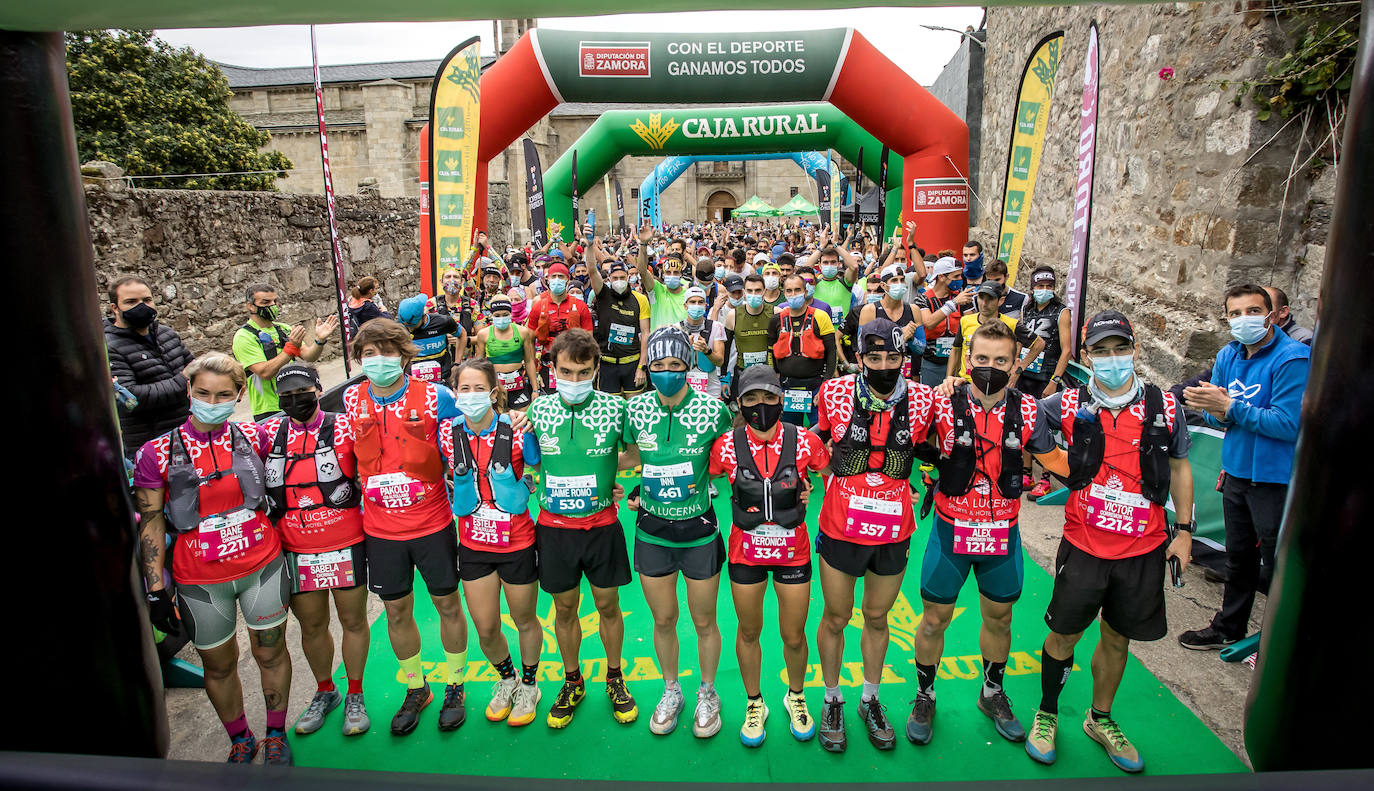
x=895, y=31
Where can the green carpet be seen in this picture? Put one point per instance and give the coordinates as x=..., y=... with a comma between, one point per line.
x=966, y=747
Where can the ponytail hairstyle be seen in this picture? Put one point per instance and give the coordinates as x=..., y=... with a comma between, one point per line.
x=487, y=370
x=364, y=288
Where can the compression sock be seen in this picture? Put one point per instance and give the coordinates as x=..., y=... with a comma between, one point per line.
x=1098, y=715
x=505, y=667
x=925, y=680
x=276, y=720
x=238, y=727
x=833, y=694
x=325, y=686
x=992, y=677
x=756, y=697
x=355, y=686
x=457, y=666
x=528, y=672
x=870, y=691
x=1054, y=673
x=575, y=677
x=612, y=673
x=415, y=675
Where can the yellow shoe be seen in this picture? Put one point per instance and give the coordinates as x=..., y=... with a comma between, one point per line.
x=623, y=706
x=501, y=694
x=752, y=733
x=561, y=713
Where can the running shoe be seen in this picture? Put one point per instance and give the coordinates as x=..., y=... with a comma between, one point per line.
x=623, y=706
x=1040, y=743
x=1042, y=488
x=409, y=715
x=706, y=720
x=502, y=698
x=276, y=750
x=1027, y=482
x=919, y=725
x=874, y=716
x=453, y=713
x=320, y=706
x=832, y=726
x=752, y=734
x=571, y=694
x=666, y=712
x=356, y=720
x=998, y=708
x=524, y=705
x=1108, y=734
x=1205, y=639
x=243, y=749
x=803, y=727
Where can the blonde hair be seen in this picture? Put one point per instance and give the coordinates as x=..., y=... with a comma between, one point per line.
x=216, y=363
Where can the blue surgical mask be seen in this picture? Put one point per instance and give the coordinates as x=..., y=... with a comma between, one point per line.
x=1249, y=329
x=735, y=301
x=755, y=301
x=796, y=301
x=828, y=271
x=574, y=392
x=500, y=322
x=1113, y=372
x=671, y=282
x=634, y=279
x=669, y=383
x=558, y=285
x=382, y=370
x=212, y=414
x=873, y=299
x=870, y=258
x=896, y=290
x=810, y=291
x=1042, y=295
x=695, y=312
x=474, y=406
x=720, y=273
x=514, y=280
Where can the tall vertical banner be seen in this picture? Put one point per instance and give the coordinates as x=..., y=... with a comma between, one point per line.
x=534, y=195
x=336, y=251
x=620, y=208
x=577, y=215
x=426, y=245
x=1076, y=288
x=882, y=196
x=1027, y=145
x=454, y=106
x=836, y=194
x=822, y=176
x=606, y=188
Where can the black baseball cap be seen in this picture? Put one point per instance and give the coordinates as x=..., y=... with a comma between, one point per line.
x=990, y=288
x=758, y=377
x=295, y=376
x=1106, y=324
x=880, y=335
x=733, y=282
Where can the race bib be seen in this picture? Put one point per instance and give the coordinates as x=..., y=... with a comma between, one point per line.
x=797, y=401
x=669, y=483
x=490, y=526
x=698, y=381
x=1035, y=365
x=393, y=490
x=325, y=570
x=622, y=334
x=755, y=358
x=873, y=519
x=981, y=538
x=228, y=535
x=944, y=346
x=1117, y=511
x=570, y=494
x=511, y=381
x=426, y=371
x=770, y=544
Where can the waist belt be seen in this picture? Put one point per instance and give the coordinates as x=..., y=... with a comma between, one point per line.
x=606, y=358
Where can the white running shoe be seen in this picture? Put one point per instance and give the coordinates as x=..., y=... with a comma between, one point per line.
x=502, y=697
x=706, y=723
x=666, y=712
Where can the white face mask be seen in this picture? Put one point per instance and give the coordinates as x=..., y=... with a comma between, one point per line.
x=619, y=286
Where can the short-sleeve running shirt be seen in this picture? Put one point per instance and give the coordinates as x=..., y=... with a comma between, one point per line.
x=308, y=524
x=579, y=449
x=250, y=349
x=524, y=450
x=674, y=447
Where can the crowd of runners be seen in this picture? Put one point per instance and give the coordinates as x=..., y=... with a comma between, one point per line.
x=882, y=380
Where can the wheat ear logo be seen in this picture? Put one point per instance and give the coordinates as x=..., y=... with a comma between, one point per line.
x=657, y=133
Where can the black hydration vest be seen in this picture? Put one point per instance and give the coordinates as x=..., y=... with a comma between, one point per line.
x=775, y=499
x=183, y=482
x=269, y=349
x=338, y=490
x=1090, y=446
x=957, y=471
x=851, y=453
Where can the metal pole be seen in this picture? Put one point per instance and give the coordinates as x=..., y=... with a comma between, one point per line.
x=336, y=251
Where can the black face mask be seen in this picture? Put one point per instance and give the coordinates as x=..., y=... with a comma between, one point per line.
x=989, y=380
x=762, y=416
x=139, y=316
x=882, y=380
x=300, y=407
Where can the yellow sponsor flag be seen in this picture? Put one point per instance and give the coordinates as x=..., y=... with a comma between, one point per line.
x=454, y=118
x=1027, y=144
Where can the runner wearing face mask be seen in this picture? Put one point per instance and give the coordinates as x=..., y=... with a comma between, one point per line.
x=708, y=345
x=801, y=344
x=768, y=464
x=671, y=430
x=486, y=460
x=206, y=480
x=665, y=297
x=314, y=500
x=875, y=422
x=553, y=313
x=430, y=333
x=979, y=431
x=1049, y=319
x=895, y=308
x=579, y=534
x=511, y=352
x=772, y=282
x=406, y=517
x=622, y=330
x=749, y=323
x=941, y=306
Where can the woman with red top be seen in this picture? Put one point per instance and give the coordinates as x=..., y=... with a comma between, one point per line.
x=207, y=475
x=313, y=500
x=490, y=498
x=770, y=485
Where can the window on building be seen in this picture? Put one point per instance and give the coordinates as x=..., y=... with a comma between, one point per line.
x=634, y=193
x=792, y=193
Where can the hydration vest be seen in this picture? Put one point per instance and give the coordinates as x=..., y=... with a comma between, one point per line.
x=613, y=308
x=338, y=490
x=851, y=453
x=407, y=449
x=756, y=499
x=269, y=349
x=957, y=471
x=508, y=492
x=949, y=326
x=812, y=347
x=183, y=482
x=1088, y=445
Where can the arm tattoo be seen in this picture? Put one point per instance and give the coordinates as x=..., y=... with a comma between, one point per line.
x=151, y=550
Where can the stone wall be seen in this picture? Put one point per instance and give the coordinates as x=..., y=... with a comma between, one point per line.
x=960, y=88
x=200, y=249
x=1188, y=185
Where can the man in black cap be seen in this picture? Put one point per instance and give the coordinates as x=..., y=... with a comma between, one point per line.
x=730, y=300
x=989, y=298
x=622, y=330
x=875, y=422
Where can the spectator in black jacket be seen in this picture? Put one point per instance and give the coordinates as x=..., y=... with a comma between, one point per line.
x=146, y=358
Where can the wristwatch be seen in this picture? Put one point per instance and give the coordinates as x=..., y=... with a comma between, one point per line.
x=1059, y=380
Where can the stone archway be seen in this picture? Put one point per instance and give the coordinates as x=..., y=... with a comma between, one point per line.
x=719, y=206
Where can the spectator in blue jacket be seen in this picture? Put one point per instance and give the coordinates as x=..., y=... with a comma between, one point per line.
x=1264, y=372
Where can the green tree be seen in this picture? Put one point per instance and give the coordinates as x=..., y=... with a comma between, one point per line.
x=155, y=110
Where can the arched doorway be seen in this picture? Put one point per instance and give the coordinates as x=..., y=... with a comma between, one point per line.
x=719, y=206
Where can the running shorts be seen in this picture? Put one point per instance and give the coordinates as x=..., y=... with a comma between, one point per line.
x=355, y=556
x=846, y=557
x=943, y=573
x=208, y=610
x=566, y=555
x=619, y=378
x=696, y=563
x=1129, y=593
x=745, y=574
x=520, y=567
x=391, y=564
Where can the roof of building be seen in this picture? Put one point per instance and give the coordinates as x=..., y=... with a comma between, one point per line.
x=247, y=77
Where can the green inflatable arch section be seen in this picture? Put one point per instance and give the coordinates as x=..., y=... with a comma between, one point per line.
x=762, y=129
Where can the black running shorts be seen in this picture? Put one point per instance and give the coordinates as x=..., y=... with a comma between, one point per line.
x=391, y=564
x=520, y=567
x=1128, y=592
x=566, y=555
x=885, y=560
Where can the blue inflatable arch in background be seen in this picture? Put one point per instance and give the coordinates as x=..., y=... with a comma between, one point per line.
x=668, y=171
